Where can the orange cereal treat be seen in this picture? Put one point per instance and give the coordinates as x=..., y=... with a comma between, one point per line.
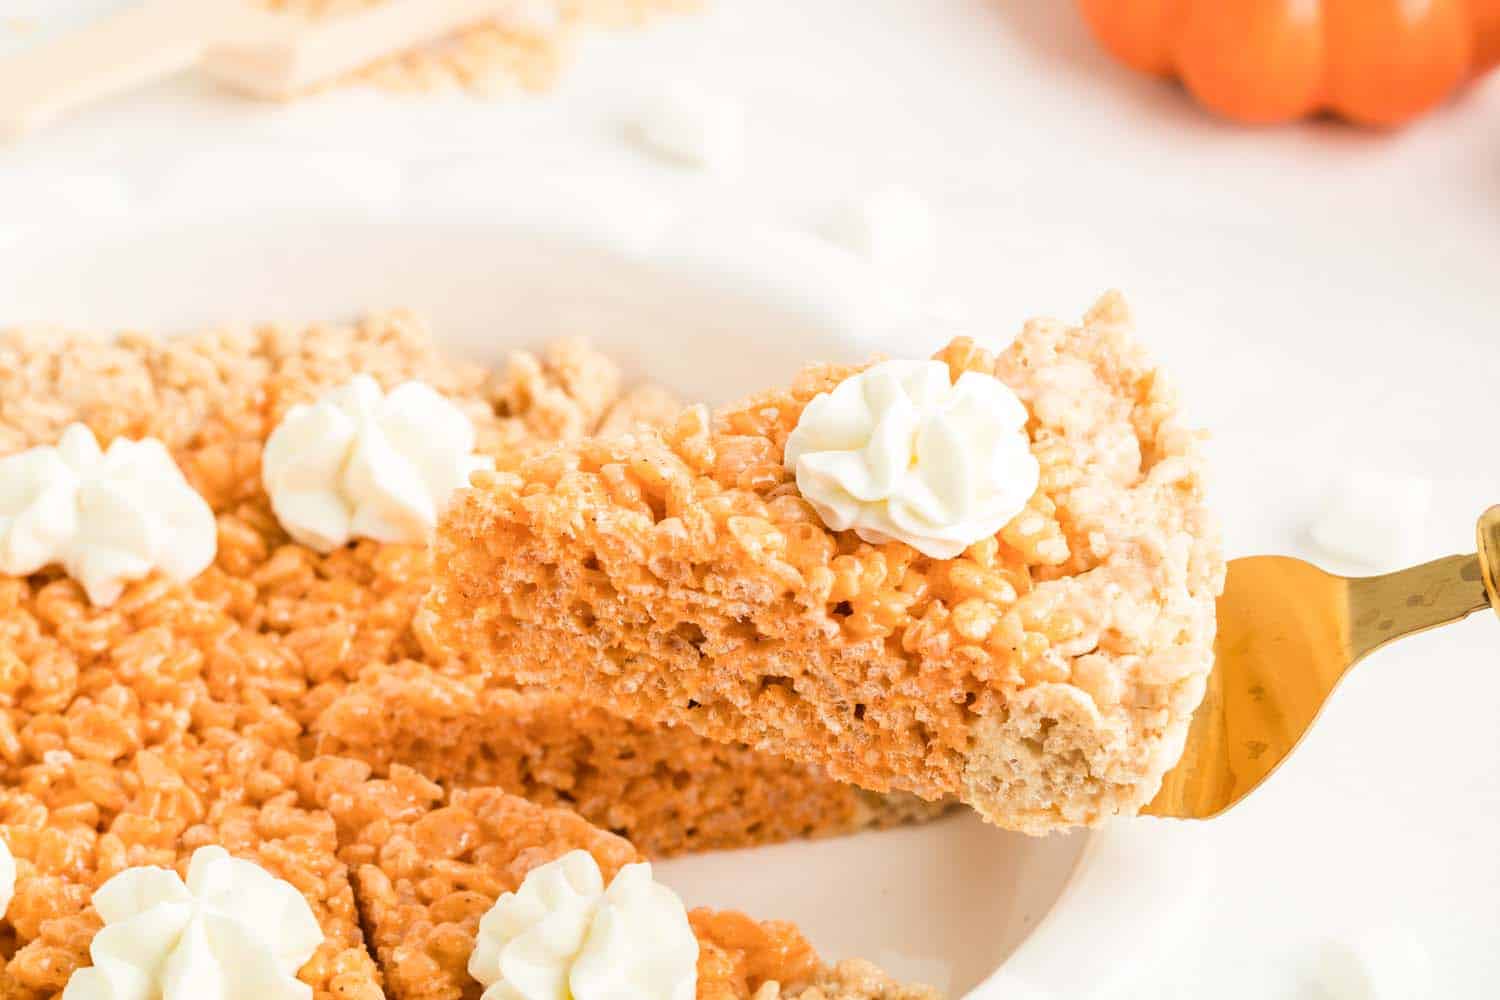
x=70, y=832
x=1045, y=675
x=270, y=619
x=291, y=645
x=665, y=788
x=428, y=865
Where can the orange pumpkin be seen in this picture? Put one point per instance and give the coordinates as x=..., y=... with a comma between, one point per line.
x=1376, y=62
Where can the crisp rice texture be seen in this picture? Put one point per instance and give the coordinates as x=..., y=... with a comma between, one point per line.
x=145, y=785
x=185, y=715
x=669, y=789
x=337, y=640
x=430, y=864
x=1046, y=676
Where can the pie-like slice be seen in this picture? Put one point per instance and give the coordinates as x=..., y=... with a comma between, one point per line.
x=428, y=865
x=1045, y=675
x=71, y=826
x=665, y=788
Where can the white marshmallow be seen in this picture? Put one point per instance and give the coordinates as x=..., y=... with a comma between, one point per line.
x=693, y=126
x=894, y=228
x=1386, y=963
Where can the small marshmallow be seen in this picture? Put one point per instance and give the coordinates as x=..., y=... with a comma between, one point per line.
x=693, y=126
x=1373, y=519
x=1381, y=964
x=895, y=230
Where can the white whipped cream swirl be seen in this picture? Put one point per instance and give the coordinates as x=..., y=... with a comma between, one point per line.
x=901, y=452
x=563, y=936
x=107, y=517
x=361, y=463
x=232, y=932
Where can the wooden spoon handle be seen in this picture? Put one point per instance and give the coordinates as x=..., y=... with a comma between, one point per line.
x=127, y=49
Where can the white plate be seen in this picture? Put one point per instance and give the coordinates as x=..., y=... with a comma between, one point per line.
x=948, y=903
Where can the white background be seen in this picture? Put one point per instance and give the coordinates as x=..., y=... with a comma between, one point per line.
x=1328, y=298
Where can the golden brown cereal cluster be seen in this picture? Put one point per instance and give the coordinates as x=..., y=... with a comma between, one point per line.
x=429, y=864
x=494, y=56
x=1046, y=676
x=183, y=715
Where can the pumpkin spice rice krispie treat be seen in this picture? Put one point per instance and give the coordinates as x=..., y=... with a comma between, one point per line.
x=274, y=625
x=429, y=864
x=1042, y=669
x=665, y=787
x=73, y=822
x=176, y=721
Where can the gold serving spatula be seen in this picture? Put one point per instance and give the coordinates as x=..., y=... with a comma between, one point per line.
x=1288, y=632
x=248, y=47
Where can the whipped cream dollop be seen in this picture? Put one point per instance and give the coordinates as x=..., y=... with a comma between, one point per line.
x=902, y=452
x=363, y=463
x=232, y=931
x=563, y=936
x=107, y=517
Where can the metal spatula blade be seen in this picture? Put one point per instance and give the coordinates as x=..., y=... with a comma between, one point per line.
x=1288, y=633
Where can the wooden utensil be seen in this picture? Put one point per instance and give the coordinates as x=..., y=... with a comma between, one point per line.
x=254, y=50
x=1288, y=632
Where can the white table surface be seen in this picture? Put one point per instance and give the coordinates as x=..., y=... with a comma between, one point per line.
x=1325, y=297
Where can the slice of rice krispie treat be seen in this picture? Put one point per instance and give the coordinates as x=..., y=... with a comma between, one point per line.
x=274, y=625
x=1043, y=671
x=429, y=864
x=69, y=835
x=123, y=759
x=664, y=788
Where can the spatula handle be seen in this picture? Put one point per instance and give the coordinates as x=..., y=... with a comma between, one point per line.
x=1488, y=533
x=116, y=53
x=1382, y=609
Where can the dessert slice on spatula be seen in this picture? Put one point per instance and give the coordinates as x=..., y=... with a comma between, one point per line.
x=246, y=45
x=991, y=578
x=985, y=577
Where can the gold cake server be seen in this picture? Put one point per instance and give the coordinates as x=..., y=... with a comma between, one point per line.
x=1288, y=633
